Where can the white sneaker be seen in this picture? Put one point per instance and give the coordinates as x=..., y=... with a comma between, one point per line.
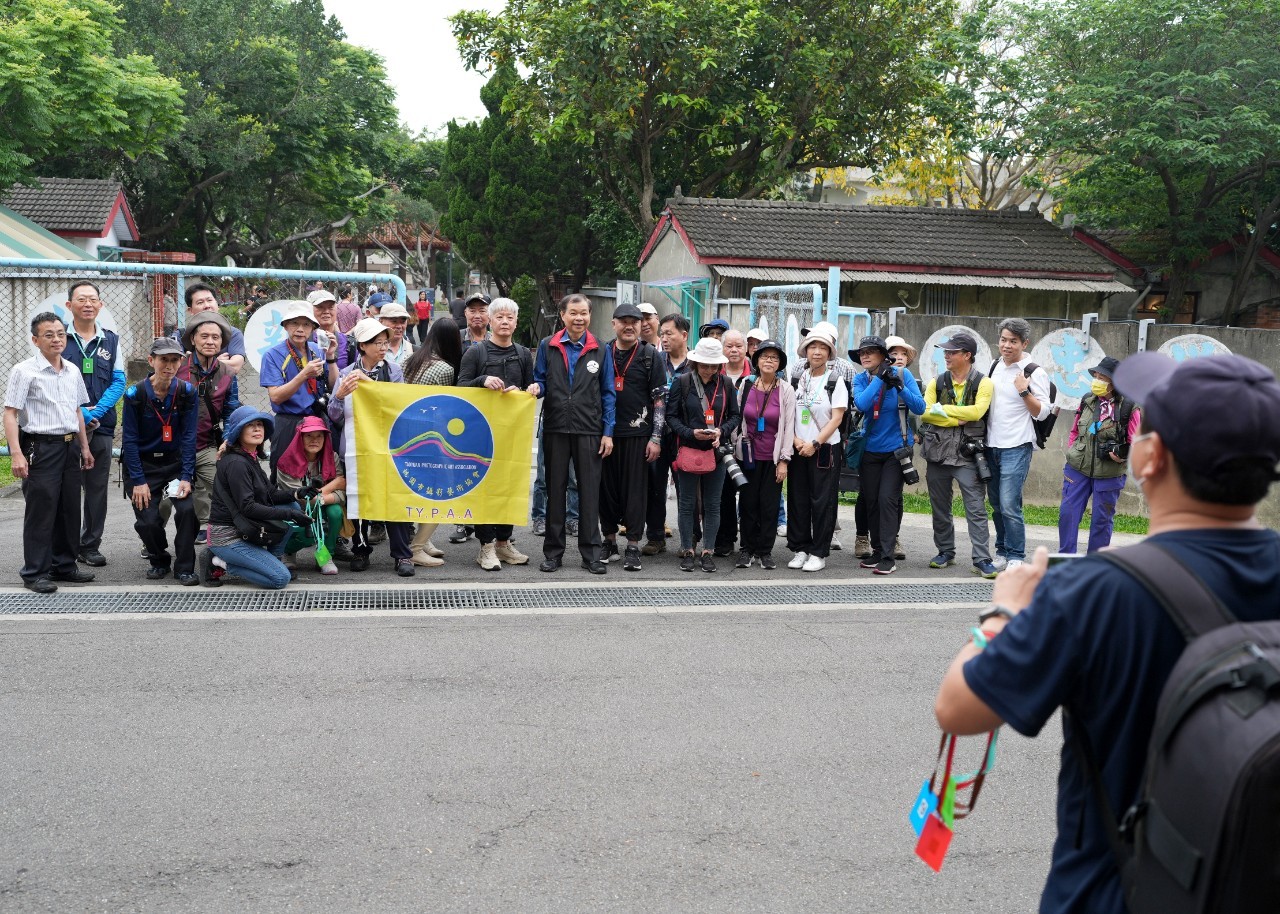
x=835, y=543
x=328, y=568
x=1012, y=563
x=782, y=529
x=814, y=563
x=1000, y=562
x=799, y=560
x=488, y=558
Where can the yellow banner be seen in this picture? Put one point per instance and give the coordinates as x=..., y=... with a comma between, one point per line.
x=438, y=455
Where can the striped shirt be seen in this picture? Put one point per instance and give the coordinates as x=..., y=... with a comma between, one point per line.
x=48, y=401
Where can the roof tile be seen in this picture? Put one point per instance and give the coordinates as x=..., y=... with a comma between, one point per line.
x=66, y=204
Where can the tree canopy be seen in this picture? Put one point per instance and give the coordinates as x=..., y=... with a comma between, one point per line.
x=726, y=97
x=65, y=90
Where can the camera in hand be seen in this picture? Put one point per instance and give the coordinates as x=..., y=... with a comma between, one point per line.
x=889, y=377
x=910, y=476
x=975, y=449
x=731, y=468
x=1106, y=448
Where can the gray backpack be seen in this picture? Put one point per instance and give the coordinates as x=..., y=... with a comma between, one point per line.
x=1204, y=834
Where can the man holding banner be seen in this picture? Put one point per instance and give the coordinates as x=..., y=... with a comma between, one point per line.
x=576, y=380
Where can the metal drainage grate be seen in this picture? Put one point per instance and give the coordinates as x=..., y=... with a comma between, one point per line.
x=461, y=598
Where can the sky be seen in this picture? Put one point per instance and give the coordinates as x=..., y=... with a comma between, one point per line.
x=420, y=55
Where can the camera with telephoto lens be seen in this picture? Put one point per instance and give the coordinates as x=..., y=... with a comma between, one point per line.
x=910, y=476
x=731, y=468
x=975, y=449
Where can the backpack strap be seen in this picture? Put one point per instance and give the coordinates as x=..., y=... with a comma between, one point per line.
x=1191, y=605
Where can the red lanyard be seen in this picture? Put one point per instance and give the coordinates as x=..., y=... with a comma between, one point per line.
x=297, y=360
x=619, y=377
x=166, y=421
x=710, y=416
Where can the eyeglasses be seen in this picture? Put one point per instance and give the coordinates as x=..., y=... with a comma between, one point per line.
x=92, y=300
x=54, y=336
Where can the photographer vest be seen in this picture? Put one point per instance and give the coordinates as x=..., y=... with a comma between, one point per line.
x=942, y=445
x=1083, y=453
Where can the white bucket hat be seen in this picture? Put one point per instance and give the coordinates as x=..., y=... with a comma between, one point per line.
x=319, y=296
x=368, y=328
x=894, y=342
x=292, y=308
x=821, y=332
x=708, y=352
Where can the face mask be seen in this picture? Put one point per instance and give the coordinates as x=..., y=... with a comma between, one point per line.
x=1128, y=463
x=1099, y=388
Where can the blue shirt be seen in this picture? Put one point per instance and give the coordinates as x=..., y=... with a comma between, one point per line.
x=144, y=421
x=279, y=366
x=1094, y=639
x=885, y=434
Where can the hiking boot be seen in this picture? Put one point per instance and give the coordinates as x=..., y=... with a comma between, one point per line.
x=432, y=550
x=985, y=570
x=898, y=552
x=862, y=546
x=708, y=563
x=538, y=527
x=378, y=533
x=360, y=562
x=631, y=559
x=687, y=561
x=507, y=552
x=885, y=566
x=96, y=559
x=942, y=560
x=767, y=562
x=404, y=568
x=488, y=558
x=745, y=559
x=653, y=547
x=343, y=553
x=425, y=559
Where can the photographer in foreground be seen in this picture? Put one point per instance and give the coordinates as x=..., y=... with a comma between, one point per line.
x=702, y=413
x=884, y=393
x=1090, y=638
x=1096, y=450
x=952, y=438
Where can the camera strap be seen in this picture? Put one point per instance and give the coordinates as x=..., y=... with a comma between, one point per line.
x=902, y=421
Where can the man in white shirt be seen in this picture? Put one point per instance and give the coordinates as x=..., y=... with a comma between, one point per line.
x=1016, y=400
x=395, y=317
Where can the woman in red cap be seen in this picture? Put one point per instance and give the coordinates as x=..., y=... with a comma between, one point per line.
x=308, y=466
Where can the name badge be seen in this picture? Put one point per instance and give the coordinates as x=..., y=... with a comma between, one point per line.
x=710, y=417
x=760, y=424
x=166, y=434
x=86, y=365
x=805, y=418
x=617, y=384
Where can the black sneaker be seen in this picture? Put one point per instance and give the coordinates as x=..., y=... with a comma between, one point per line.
x=91, y=557
x=187, y=578
x=687, y=561
x=404, y=568
x=207, y=569
x=723, y=552
x=767, y=562
x=745, y=559
x=156, y=572
x=359, y=562
x=609, y=551
x=871, y=562
x=885, y=566
x=631, y=560
x=377, y=533
x=708, y=563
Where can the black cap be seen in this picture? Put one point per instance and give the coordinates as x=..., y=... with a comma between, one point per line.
x=959, y=342
x=869, y=342
x=1173, y=395
x=626, y=309
x=1107, y=367
x=164, y=345
x=477, y=296
x=769, y=345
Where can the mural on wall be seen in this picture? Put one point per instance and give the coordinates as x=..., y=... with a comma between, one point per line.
x=1067, y=355
x=1192, y=346
x=263, y=331
x=931, y=364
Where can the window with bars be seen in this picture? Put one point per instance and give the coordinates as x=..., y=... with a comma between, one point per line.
x=941, y=300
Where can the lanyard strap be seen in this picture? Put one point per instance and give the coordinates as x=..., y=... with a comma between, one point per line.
x=702, y=395
x=622, y=373
x=165, y=420
x=974, y=779
x=93, y=344
x=312, y=386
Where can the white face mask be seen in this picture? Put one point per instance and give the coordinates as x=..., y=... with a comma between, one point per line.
x=1128, y=464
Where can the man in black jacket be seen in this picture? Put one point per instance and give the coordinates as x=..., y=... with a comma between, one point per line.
x=575, y=378
x=501, y=364
x=640, y=388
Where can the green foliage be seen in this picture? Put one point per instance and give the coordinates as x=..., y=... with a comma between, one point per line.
x=722, y=96
x=524, y=292
x=64, y=87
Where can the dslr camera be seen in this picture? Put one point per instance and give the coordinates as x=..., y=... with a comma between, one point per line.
x=910, y=476
x=731, y=468
x=1106, y=448
x=888, y=376
x=975, y=449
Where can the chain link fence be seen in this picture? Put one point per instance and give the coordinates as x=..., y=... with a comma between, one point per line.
x=784, y=310
x=141, y=301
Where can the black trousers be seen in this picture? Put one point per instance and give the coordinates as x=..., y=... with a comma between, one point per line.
x=583, y=451
x=95, y=483
x=487, y=533
x=51, y=519
x=882, y=488
x=282, y=432
x=624, y=488
x=813, y=485
x=758, y=502
x=728, y=532
x=656, y=497
x=150, y=526
x=398, y=537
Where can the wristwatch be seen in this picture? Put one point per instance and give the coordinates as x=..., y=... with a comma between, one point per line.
x=1025, y=393
x=993, y=612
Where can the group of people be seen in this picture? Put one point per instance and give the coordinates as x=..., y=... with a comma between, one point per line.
x=754, y=438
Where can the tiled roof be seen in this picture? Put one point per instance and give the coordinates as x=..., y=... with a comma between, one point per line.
x=790, y=233
x=66, y=204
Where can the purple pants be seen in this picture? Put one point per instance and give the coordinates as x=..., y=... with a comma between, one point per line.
x=1076, y=490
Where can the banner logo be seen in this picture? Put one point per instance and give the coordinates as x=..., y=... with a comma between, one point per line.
x=442, y=447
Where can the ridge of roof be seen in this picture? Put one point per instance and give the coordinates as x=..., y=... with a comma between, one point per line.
x=79, y=205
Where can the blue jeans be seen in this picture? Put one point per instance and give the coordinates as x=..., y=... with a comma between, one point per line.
x=1009, y=469
x=688, y=488
x=256, y=564
x=538, y=510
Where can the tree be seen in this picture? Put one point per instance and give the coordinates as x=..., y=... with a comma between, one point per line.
x=64, y=88
x=1174, y=104
x=721, y=96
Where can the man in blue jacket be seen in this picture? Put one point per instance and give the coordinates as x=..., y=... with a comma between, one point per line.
x=574, y=377
x=159, y=448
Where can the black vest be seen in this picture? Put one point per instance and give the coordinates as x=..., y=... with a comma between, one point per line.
x=104, y=357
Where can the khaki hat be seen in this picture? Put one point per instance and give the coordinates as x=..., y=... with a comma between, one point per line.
x=206, y=317
x=755, y=333
x=897, y=341
x=293, y=309
x=319, y=296
x=368, y=328
x=821, y=332
x=393, y=310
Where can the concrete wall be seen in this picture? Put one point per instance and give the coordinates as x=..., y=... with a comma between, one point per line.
x=669, y=260
x=1117, y=339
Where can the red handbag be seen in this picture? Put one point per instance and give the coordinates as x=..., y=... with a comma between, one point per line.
x=694, y=460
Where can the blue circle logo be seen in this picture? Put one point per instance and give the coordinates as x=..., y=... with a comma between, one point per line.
x=442, y=447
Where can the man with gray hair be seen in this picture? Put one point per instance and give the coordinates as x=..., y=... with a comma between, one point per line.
x=1020, y=394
